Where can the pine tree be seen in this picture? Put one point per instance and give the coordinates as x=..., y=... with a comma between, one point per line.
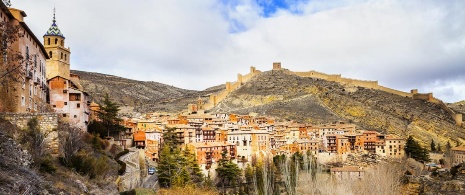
x=433, y=146
x=108, y=115
x=415, y=151
x=228, y=171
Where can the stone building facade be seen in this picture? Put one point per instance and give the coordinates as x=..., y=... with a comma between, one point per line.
x=67, y=96
x=25, y=90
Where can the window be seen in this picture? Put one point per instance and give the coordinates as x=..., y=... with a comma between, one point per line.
x=75, y=116
x=61, y=55
x=56, y=41
x=64, y=115
x=30, y=89
x=66, y=103
x=27, y=53
x=78, y=105
x=54, y=106
x=65, y=57
x=23, y=101
x=50, y=54
x=48, y=41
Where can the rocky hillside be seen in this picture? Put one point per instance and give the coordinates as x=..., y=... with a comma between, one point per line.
x=290, y=97
x=458, y=107
x=140, y=96
x=19, y=174
x=286, y=96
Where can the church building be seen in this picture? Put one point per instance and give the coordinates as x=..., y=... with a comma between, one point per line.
x=67, y=96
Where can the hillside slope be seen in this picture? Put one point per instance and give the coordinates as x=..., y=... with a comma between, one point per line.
x=140, y=96
x=275, y=93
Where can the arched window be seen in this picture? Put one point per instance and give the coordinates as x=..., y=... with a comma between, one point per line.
x=65, y=57
x=56, y=41
x=48, y=41
x=61, y=55
x=50, y=54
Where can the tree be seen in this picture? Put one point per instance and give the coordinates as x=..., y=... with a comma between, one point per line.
x=433, y=146
x=71, y=141
x=108, y=116
x=438, y=149
x=228, y=171
x=415, y=151
x=177, y=168
x=14, y=63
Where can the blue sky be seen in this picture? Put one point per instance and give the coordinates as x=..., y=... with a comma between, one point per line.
x=415, y=44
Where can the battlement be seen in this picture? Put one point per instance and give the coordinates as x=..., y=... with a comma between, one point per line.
x=241, y=79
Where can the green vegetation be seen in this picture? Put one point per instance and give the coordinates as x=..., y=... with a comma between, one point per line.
x=177, y=168
x=109, y=122
x=415, y=151
x=228, y=171
x=122, y=168
x=433, y=146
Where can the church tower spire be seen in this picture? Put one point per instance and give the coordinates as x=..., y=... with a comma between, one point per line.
x=54, y=43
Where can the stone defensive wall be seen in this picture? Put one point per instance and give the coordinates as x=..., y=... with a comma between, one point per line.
x=241, y=79
x=48, y=125
x=230, y=87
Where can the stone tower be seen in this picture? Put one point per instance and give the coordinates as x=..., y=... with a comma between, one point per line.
x=54, y=43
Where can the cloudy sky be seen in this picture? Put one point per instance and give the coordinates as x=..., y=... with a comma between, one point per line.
x=197, y=44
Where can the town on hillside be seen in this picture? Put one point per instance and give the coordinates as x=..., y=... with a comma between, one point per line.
x=246, y=137
x=37, y=85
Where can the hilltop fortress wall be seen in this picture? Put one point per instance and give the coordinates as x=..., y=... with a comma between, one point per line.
x=230, y=87
x=241, y=79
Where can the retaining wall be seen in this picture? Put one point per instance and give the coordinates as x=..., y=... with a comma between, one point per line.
x=48, y=125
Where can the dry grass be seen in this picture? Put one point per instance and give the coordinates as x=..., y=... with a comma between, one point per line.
x=187, y=191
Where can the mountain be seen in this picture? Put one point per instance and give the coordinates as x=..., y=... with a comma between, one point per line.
x=290, y=97
x=140, y=96
x=312, y=100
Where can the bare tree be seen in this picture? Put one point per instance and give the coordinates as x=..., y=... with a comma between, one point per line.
x=14, y=63
x=36, y=139
x=71, y=140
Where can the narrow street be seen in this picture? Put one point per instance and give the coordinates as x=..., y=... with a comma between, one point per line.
x=150, y=182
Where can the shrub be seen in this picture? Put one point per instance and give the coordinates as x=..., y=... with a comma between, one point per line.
x=122, y=169
x=46, y=165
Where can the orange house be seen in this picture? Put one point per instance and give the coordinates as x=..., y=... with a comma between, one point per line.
x=139, y=139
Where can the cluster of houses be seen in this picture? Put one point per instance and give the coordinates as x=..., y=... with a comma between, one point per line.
x=36, y=75
x=247, y=136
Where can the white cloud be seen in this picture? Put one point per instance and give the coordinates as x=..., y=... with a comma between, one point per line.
x=197, y=44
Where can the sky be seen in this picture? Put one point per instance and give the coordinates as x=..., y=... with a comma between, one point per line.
x=415, y=44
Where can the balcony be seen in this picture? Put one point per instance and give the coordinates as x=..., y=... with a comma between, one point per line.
x=29, y=75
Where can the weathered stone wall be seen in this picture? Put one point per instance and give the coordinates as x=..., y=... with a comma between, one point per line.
x=132, y=177
x=48, y=124
x=230, y=87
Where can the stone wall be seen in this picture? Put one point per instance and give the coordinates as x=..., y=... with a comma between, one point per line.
x=131, y=179
x=230, y=87
x=241, y=79
x=48, y=124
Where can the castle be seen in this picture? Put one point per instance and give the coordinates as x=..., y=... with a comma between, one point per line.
x=241, y=79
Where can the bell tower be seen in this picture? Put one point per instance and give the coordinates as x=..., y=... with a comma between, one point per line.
x=54, y=43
